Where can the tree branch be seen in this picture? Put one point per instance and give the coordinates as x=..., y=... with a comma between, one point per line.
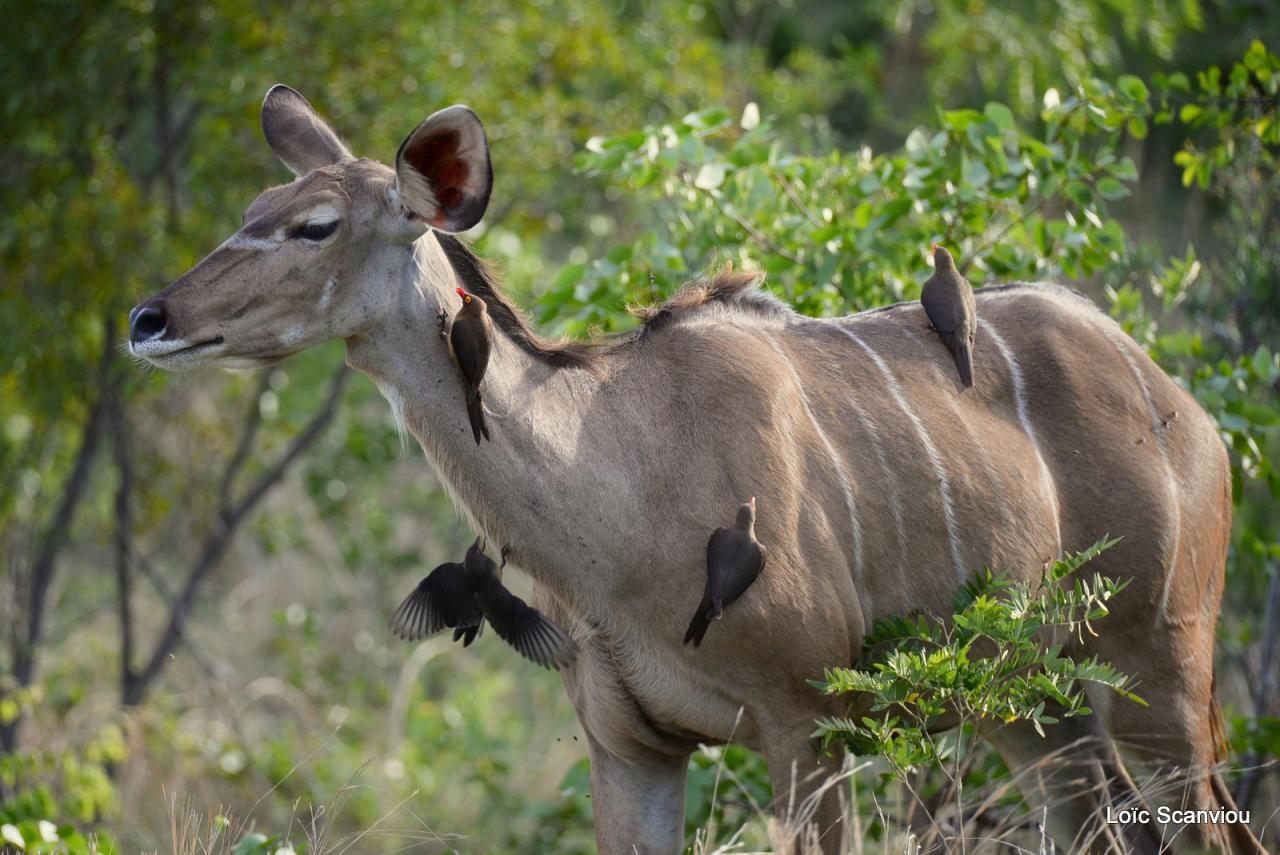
x=44, y=565
x=216, y=543
x=124, y=539
x=729, y=211
x=247, y=437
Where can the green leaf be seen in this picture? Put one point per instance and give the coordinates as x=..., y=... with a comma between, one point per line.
x=569, y=275
x=1001, y=115
x=253, y=843
x=976, y=173
x=1110, y=188
x=1132, y=87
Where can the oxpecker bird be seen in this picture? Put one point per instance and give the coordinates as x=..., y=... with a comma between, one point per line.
x=520, y=625
x=734, y=559
x=469, y=342
x=948, y=302
x=442, y=600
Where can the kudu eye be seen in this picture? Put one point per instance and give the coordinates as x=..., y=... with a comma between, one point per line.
x=314, y=231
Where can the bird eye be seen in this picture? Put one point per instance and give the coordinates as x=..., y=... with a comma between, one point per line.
x=314, y=231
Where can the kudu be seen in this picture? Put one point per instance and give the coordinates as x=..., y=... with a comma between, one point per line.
x=882, y=483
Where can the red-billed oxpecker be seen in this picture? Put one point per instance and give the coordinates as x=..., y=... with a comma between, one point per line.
x=734, y=559
x=442, y=600
x=520, y=625
x=469, y=343
x=948, y=301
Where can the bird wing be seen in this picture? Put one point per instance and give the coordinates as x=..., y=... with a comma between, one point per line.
x=469, y=338
x=937, y=306
x=440, y=600
x=734, y=560
x=529, y=631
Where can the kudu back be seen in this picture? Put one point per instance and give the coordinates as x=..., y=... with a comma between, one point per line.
x=882, y=483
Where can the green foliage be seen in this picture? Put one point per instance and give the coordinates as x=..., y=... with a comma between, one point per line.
x=989, y=663
x=837, y=231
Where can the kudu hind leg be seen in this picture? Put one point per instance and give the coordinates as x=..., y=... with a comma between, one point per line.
x=1170, y=743
x=1070, y=777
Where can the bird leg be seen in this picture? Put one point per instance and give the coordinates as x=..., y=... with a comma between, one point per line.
x=444, y=323
x=505, y=551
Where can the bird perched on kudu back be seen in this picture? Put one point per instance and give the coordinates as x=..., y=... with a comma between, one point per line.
x=441, y=600
x=734, y=559
x=949, y=304
x=529, y=631
x=469, y=343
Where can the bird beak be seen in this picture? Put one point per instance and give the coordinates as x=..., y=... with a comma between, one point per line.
x=461, y=293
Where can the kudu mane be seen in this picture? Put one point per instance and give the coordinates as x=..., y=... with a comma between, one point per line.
x=738, y=289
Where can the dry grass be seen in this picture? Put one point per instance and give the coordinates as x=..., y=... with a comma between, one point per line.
x=992, y=819
x=193, y=832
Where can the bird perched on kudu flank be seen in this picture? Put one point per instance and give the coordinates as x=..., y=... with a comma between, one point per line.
x=441, y=600
x=948, y=302
x=734, y=559
x=469, y=343
x=529, y=631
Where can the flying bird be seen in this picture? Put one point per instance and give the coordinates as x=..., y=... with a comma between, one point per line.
x=734, y=559
x=469, y=343
x=529, y=631
x=948, y=301
x=442, y=600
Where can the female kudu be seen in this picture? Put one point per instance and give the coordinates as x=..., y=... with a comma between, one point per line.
x=882, y=484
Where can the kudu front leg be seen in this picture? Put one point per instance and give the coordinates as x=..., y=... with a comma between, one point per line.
x=638, y=801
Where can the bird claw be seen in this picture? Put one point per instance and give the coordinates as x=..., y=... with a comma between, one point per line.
x=505, y=551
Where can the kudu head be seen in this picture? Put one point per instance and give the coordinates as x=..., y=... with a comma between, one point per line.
x=315, y=258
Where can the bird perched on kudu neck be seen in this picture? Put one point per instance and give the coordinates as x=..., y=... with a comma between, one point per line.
x=734, y=559
x=948, y=302
x=469, y=343
x=529, y=631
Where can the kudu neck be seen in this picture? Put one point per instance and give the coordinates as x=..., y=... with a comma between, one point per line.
x=533, y=409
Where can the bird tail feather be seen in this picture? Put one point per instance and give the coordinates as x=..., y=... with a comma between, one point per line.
x=475, y=412
x=964, y=361
x=698, y=627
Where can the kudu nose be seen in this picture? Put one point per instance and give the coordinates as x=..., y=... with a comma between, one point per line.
x=148, y=321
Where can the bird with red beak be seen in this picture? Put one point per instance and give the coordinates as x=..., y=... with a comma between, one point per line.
x=469, y=344
x=734, y=559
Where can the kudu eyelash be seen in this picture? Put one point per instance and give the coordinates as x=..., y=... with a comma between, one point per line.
x=314, y=231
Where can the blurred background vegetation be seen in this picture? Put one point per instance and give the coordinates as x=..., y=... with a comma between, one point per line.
x=198, y=570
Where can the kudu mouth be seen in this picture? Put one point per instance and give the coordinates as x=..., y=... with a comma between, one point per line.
x=150, y=337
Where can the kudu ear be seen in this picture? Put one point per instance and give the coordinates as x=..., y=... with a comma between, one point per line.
x=297, y=134
x=443, y=174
